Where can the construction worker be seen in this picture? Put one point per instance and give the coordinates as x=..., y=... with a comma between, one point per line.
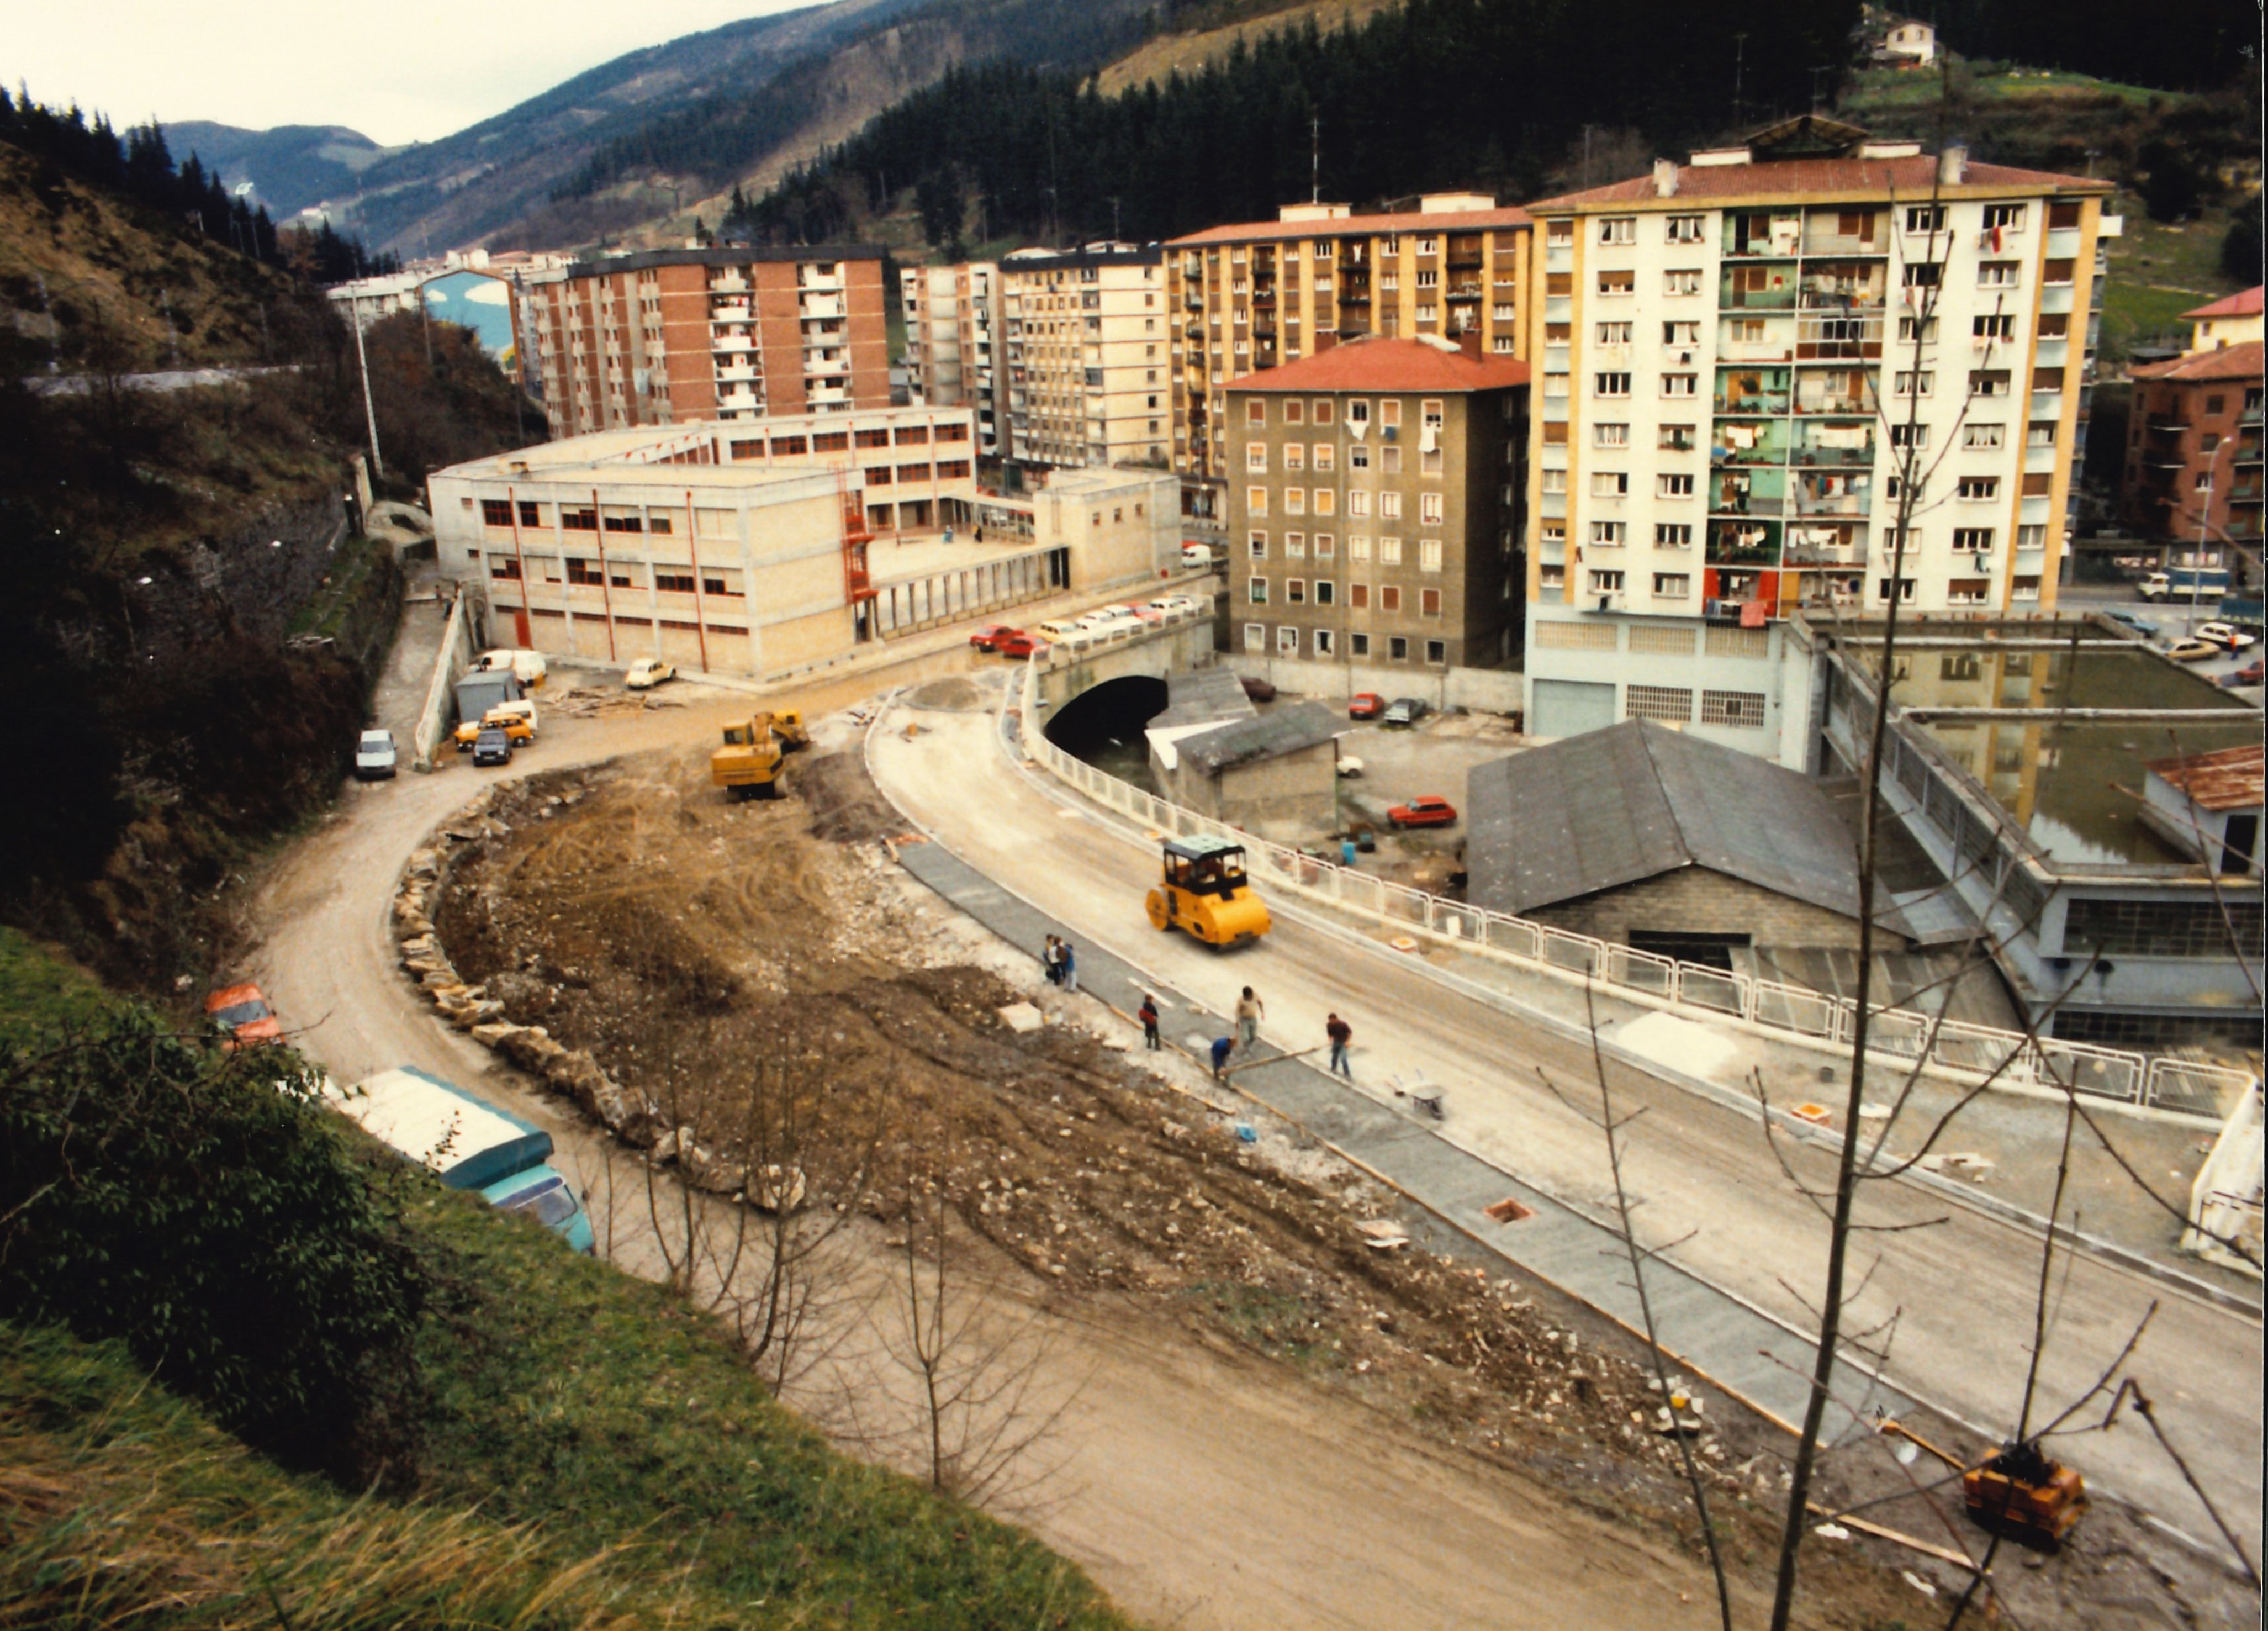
x=1249, y=1012
x=1148, y=1014
x=1220, y=1047
x=1341, y=1033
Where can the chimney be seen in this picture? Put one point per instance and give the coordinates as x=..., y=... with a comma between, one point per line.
x=1951, y=165
x=1469, y=342
x=1665, y=178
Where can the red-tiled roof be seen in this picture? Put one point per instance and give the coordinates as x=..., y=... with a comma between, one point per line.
x=1909, y=179
x=1356, y=226
x=2230, y=779
x=2244, y=305
x=2230, y=362
x=1380, y=364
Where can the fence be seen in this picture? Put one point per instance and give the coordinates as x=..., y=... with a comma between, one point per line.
x=1898, y=1036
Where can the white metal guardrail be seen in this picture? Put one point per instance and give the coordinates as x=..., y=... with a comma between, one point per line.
x=1895, y=1035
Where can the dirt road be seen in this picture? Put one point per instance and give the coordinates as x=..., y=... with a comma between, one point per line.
x=1199, y=1490
x=1960, y=1291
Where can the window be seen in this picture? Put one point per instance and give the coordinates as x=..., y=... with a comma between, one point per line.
x=1610, y=384
x=531, y=513
x=1610, y=436
x=1255, y=458
x=1389, y=506
x=1978, y=488
x=1295, y=455
x=1909, y=383
x=1397, y=648
x=1925, y=218
x=1358, y=547
x=1883, y=589
x=1743, y=710
x=1923, y=274
x=1965, y=665
x=1922, y=329
x=1555, y=481
x=1608, y=535
x=1257, y=543
x=1988, y=382
x=1606, y=583
x=2008, y=217
x=2057, y=274
x=1389, y=461
x=1287, y=641
x=1982, y=437
x=1256, y=637
x=1678, y=384
x=1359, y=597
x=1618, y=229
x=1610, y=484
x=1614, y=283
x=1672, y=586
x=1976, y=539
x=1429, y=507
x=1255, y=410
x=1684, y=229
x=1673, y=535
x=1677, y=333
x=1671, y=703
x=1255, y=501
x=1322, y=636
x=1389, y=598
x=1675, y=437
x=1685, y=281
x=1295, y=411
x=1430, y=412
x=1389, y=552
x=1895, y=487
x=1295, y=501
x=1390, y=412
x=1993, y=325
x=1324, y=456
x=1358, y=502
x=1429, y=554
x=1295, y=546
x=1428, y=278
x=1673, y=486
x=583, y=520
x=1551, y=575
x=496, y=513
x=1257, y=592
x=1295, y=591
x=1915, y=436
x=1615, y=334
x=2032, y=537
x=1324, y=546
x=1322, y=414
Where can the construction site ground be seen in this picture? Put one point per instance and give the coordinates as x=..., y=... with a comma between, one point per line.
x=1280, y=1421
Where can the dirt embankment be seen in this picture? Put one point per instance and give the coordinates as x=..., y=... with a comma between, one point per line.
x=713, y=955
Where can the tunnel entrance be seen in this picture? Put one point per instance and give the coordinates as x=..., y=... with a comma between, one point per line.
x=1103, y=726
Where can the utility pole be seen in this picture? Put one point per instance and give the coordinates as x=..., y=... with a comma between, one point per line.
x=1315, y=159
x=1739, y=60
x=362, y=360
x=1114, y=220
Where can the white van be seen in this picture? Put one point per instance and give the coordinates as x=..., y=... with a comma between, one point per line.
x=528, y=666
x=1197, y=557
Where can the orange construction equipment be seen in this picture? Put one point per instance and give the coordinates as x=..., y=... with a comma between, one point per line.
x=2018, y=1492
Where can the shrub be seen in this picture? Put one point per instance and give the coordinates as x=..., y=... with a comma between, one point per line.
x=198, y=1205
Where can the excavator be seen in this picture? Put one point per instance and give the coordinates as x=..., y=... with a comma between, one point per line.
x=748, y=766
x=1205, y=893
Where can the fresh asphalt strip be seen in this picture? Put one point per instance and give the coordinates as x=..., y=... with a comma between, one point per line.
x=1710, y=1333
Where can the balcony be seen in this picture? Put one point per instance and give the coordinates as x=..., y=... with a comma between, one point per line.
x=1749, y=238
x=822, y=305
x=1751, y=403
x=1875, y=241
x=1837, y=339
x=1743, y=543
x=732, y=343
x=1824, y=546
x=1835, y=495
x=730, y=312
x=1830, y=447
x=731, y=282
x=1748, y=445
x=1737, y=294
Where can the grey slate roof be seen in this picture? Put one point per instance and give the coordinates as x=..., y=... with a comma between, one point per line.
x=1284, y=730
x=1636, y=800
x=1201, y=696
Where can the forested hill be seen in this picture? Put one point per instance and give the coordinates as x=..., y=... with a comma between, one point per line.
x=1437, y=93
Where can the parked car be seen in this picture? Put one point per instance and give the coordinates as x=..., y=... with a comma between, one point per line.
x=1427, y=810
x=2228, y=636
x=1143, y=611
x=1350, y=767
x=2192, y=649
x=1020, y=644
x=648, y=672
x=1175, y=605
x=1061, y=631
x=492, y=746
x=2250, y=675
x=988, y=638
x=1258, y=689
x=516, y=719
x=1404, y=711
x=242, y=1011
x=2140, y=625
x=374, y=757
x=1197, y=557
x=1365, y=706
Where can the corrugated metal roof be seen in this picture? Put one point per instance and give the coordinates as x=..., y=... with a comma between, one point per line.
x=1637, y=800
x=1203, y=696
x=2230, y=779
x=1270, y=735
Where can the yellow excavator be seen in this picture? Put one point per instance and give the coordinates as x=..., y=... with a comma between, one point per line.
x=1205, y=894
x=748, y=766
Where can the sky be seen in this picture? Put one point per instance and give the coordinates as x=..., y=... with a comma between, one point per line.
x=398, y=71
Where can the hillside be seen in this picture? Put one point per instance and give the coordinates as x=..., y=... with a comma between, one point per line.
x=290, y=168
x=1200, y=41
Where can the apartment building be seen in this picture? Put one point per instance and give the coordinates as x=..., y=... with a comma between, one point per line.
x=1374, y=514
x=1730, y=349
x=1261, y=293
x=1087, y=356
x=956, y=329
x=2192, y=479
x=667, y=336
x=2229, y=321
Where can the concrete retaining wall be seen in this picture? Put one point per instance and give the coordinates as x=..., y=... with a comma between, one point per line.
x=449, y=665
x=1483, y=691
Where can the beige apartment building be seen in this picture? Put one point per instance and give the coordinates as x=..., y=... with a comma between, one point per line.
x=1088, y=375
x=1726, y=352
x=956, y=328
x=1262, y=293
x=1374, y=512
x=670, y=336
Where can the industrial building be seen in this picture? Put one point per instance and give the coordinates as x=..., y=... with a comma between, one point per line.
x=1730, y=351
x=675, y=337
x=1273, y=773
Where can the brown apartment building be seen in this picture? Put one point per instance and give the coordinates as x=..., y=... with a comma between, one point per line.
x=1374, y=507
x=2193, y=454
x=1258, y=294
x=667, y=336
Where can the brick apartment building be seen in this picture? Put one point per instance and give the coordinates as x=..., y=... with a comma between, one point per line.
x=2192, y=479
x=1373, y=511
x=1254, y=295
x=1087, y=371
x=667, y=336
x=1727, y=350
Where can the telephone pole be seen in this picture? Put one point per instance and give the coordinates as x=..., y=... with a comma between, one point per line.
x=362, y=361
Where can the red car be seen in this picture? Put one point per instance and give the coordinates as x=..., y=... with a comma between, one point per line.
x=1432, y=810
x=988, y=638
x=1365, y=706
x=1016, y=643
x=242, y=1011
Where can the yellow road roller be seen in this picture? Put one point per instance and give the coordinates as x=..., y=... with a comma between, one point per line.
x=1206, y=892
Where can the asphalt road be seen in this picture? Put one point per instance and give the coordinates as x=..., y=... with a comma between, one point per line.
x=1961, y=1292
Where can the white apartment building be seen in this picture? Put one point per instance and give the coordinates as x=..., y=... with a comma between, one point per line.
x=955, y=338
x=1727, y=350
x=1088, y=370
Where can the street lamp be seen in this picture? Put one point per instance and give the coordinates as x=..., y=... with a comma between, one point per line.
x=2204, y=526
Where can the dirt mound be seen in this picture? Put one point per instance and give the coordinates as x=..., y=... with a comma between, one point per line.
x=843, y=805
x=955, y=695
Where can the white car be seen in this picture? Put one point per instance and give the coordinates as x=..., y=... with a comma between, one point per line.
x=1174, y=605
x=648, y=672
x=2228, y=636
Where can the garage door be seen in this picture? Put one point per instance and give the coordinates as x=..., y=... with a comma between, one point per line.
x=1570, y=707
